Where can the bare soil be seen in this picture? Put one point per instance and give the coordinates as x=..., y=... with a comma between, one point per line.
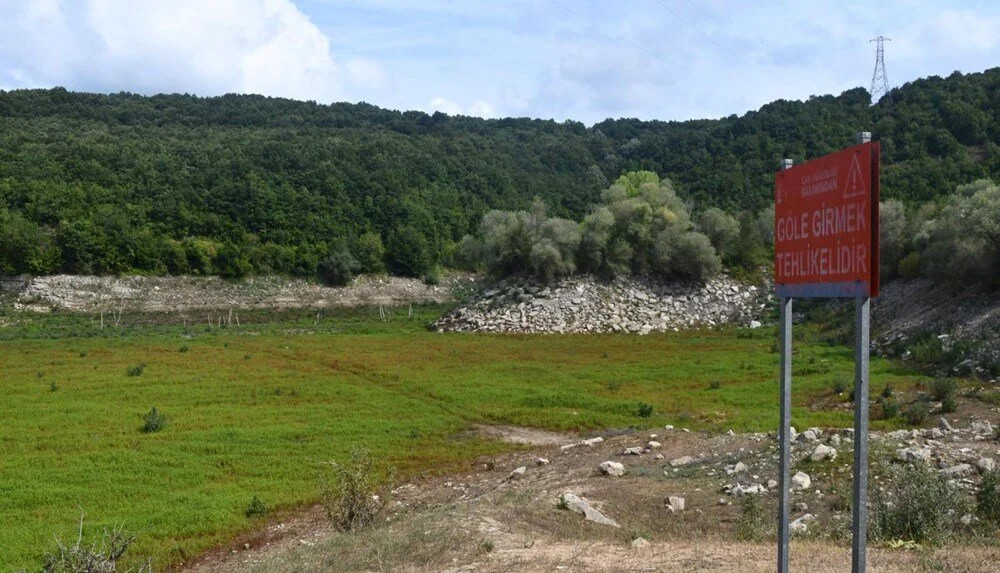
x=487, y=520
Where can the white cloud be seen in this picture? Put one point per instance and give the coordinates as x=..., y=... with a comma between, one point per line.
x=213, y=47
x=479, y=108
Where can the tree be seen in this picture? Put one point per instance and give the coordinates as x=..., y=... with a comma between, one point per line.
x=370, y=253
x=721, y=229
x=338, y=268
x=408, y=252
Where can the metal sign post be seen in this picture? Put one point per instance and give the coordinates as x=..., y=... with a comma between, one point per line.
x=826, y=245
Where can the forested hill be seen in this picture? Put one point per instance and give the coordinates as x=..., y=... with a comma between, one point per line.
x=235, y=184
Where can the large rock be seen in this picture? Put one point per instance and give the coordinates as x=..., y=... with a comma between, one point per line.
x=682, y=461
x=957, y=471
x=611, y=468
x=913, y=454
x=801, y=525
x=986, y=464
x=801, y=481
x=675, y=504
x=582, y=506
x=823, y=452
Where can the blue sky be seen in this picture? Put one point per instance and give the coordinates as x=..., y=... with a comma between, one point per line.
x=565, y=59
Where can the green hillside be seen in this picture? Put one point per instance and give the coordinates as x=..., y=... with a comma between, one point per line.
x=242, y=184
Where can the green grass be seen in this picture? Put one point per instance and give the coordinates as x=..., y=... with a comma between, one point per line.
x=254, y=411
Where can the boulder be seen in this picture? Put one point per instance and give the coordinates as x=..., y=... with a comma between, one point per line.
x=801, y=525
x=957, y=471
x=610, y=468
x=634, y=451
x=582, y=506
x=914, y=454
x=541, y=461
x=592, y=441
x=681, y=461
x=518, y=473
x=986, y=464
x=801, y=481
x=675, y=504
x=823, y=452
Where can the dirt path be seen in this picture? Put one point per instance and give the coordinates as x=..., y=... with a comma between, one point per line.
x=493, y=520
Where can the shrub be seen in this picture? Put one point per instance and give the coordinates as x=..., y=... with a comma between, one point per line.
x=53, y=387
x=941, y=388
x=839, y=384
x=887, y=391
x=433, y=276
x=256, y=508
x=949, y=404
x=338, y=268
x=695, y=258
x=350, y=493
x=714, y=385
x=917, y=505
x=561, y=503
x=988, y=498
x=645, y=410
x=754, y=523
x=890, y=408
x=916, y=413
x=183, y=348
x=97, y=557
x=153, y=421
x=486, y=546
x=135, y=370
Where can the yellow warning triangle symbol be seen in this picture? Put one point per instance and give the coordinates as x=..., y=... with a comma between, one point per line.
x=855, y=181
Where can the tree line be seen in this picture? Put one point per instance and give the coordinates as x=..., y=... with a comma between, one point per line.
x=242, y=184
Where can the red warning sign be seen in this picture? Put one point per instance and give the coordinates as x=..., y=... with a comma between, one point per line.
x=826, y=225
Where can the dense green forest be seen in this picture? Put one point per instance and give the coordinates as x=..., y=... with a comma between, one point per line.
x=248, y=184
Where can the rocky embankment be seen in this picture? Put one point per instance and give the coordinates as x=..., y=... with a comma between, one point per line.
x=179, y=294
x=908, y=309
x=585, y=304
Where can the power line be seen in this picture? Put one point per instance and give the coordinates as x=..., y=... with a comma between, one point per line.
x=624, y=38
x=880, y=81
x=703, y=34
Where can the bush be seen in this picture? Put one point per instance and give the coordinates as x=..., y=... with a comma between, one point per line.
x=645, y=410
x=722, y=230
x=350, y=493
x=916, y=413
x=135, y=370
x=754, y=523
x=714, y=385
x=890, y=408
x=256, y=508
x=433, y=277
x=338, y=268
x=917, y=505
x=153, y=421
x=97, y=557
x=887, y=391
x=988, y=498
x=945, y=390
x=839, y=384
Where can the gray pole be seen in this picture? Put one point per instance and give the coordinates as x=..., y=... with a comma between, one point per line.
x=859, y=510
x=784, y=440
x=859, y=513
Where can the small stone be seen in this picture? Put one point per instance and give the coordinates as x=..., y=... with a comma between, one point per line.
x=658, y=456
x=653, y=444
x=801, y=525
x=724, y=501
x=634, y=451
x=967, y=519
x=823, y=452
x=681, y=461
x=801, y=481
x=771, y=484
x=640, y=543
x=592, y=441
x=541, y=461
x=835, y=440
x=668, y=427
x=801, y=506
x=740, y=467
x=945, y=425
x=610, y=468
x=675, y=504
x=518, y=473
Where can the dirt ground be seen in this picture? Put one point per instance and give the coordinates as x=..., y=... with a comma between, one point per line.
x=490, y=520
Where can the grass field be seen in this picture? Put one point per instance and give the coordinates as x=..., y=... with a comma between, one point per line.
x=255, y=410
